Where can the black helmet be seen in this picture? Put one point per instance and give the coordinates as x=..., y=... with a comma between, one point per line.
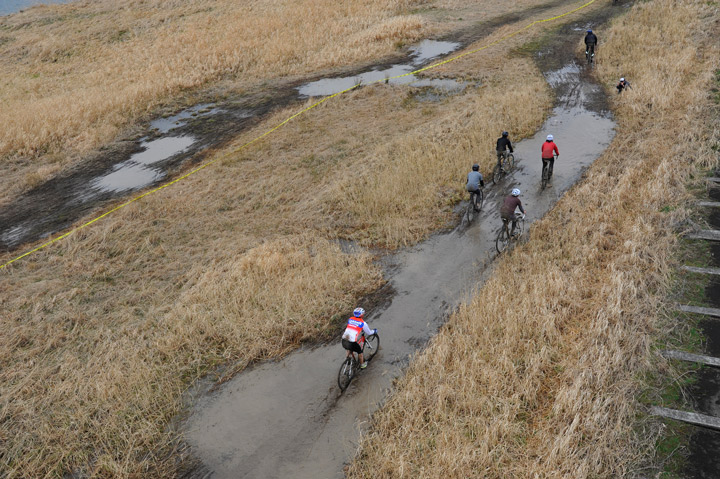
x=476, y=167
x=505, y=133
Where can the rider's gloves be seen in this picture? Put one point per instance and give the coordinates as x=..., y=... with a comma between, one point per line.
x=375, y=331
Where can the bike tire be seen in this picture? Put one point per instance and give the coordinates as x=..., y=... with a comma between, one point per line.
x=497, y=175
x=520, y=226
x=510, y=162
x=480, y=197
x=346, y=373
x=372, y=344
x=470, y=210
x=544, y=179
x=502, y=240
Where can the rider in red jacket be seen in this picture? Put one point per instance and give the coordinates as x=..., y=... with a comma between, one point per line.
x=549, y=153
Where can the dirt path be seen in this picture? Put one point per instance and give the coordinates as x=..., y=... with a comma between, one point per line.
x=287, y=419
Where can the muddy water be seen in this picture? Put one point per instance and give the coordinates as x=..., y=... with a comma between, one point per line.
x=420, y=54
x=288, y=418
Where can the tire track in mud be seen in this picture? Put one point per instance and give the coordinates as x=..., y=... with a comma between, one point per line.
x=287, y=418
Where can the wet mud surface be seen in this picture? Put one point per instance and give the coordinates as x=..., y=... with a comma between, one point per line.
x=288, y=418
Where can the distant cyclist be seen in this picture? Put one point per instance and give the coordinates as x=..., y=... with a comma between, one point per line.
x=549, y=153
x=622, y=84
x=590, y=43
x=353, y=339
x=507, y=210
x=474, y=180
x=503, y=144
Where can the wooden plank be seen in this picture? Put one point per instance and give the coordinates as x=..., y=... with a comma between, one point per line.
x=714, y=179
x=711, y=204
x=699, y=310
x=712, y=235
x=694, y=358
x=695, y=269
x=689, y=417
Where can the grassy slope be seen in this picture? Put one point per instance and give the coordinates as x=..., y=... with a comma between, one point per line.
x=537, y=375
x=101, y=333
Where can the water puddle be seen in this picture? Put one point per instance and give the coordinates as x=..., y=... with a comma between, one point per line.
x=138, y=172
x=164, y=125
x=287, y=418
x=13, y=6
x=422, y=53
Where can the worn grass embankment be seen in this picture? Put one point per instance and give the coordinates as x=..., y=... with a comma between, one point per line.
x=102, y=332
x=538, y=375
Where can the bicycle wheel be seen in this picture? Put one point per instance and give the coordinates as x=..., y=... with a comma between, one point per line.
x=511, y=161
x=544, y=181
x=479, y=198
x=519, y=226
x=503, y=239
x=346, y=373
x=469, y=211
x=372, y=344
x=497, y=174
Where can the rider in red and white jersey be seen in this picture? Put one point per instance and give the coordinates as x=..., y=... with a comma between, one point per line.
x=353, y=339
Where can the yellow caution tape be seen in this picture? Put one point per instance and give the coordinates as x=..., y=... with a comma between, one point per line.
x=205, y=165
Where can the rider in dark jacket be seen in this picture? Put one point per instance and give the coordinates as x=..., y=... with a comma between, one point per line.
x=503, y=144
x=590, y=43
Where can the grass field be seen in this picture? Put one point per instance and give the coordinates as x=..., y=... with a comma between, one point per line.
x=78, y=76
x=103, y=332
x=546, y=383
x=75, y=75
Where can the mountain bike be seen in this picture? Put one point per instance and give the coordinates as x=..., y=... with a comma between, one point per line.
x=590, y=53
x=499, y=172
x=546, y=174
x=350, y=366
x=504, y=238
x=475, y=204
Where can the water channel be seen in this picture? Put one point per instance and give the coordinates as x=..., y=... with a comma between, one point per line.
x=288, y=418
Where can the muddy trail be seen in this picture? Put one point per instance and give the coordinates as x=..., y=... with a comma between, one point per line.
x=168, y=146
x=288, y=418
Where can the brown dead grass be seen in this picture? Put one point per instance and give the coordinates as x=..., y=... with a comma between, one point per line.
x=74, y=75
x=102, y=332
x=537, y=376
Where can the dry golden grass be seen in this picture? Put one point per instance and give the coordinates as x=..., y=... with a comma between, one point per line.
x=102, y=332
x=537, y=376
x=74, y=75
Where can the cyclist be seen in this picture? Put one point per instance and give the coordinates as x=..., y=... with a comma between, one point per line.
x=474, y=180
x=353, y=339
x=622, y=84
x=590, y=43
x=549, y=153
x=507, y=210
x=503, y=144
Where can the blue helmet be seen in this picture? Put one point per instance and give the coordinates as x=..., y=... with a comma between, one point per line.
x=589, y=31
x=359, y=312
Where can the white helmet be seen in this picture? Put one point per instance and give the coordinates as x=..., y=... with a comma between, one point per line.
x=515, y=192
x=549, y=138
x=358, y=312
x=622, y=79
